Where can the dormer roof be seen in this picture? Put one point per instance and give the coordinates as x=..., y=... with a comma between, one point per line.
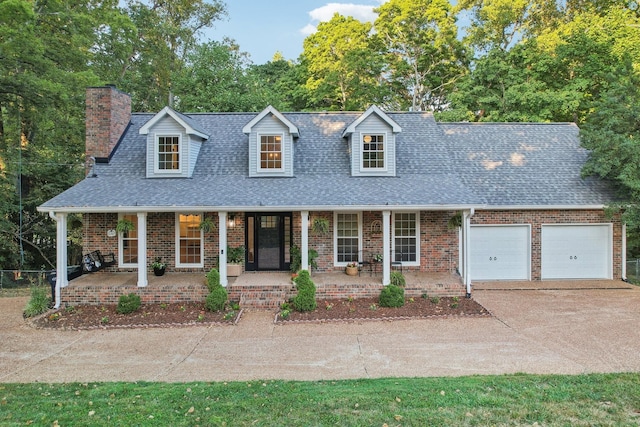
x=190, y=126
x=372, y=110
x=293, y=129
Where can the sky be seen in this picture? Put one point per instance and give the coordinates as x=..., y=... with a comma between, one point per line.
x=264, y=27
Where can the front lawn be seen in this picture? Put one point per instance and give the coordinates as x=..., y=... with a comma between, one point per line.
x=584, y=400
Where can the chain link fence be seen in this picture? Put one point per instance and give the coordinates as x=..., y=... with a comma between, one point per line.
x=633, y=271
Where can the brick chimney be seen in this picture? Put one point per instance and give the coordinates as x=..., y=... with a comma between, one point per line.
x=108, y=114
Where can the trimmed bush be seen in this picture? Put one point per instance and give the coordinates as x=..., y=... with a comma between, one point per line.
x=216, y=299
x=128, y=303
x=39, y=302
x=306, y=298
x=397, y=279
x=392, y=296
x=213, y=279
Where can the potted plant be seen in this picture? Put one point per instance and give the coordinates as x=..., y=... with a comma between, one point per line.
x=235, y=259
x=207, y=225
x=351, y=269
x=320, y=226
x=124, y=226
x=158, y=266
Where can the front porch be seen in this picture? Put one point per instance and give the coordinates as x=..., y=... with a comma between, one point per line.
x=263, y=290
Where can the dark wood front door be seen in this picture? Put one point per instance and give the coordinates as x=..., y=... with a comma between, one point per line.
x=268, y=241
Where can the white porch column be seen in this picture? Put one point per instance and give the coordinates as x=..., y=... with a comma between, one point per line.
x=466, y=241
x=624, y=251
x=61, y=253
x=304, y=240
x=386, y=247
x=142, y=249
x=222, y=245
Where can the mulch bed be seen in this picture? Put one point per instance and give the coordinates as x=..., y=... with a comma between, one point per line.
x=187, y=314
x=149, y=315
x=369, y=309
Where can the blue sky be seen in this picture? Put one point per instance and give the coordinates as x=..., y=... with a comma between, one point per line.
x=264, y=27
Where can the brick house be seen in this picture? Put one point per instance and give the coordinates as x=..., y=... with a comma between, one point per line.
x=488, y=201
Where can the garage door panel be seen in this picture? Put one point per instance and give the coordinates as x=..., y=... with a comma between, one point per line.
x=576, y=251
x=500, y=252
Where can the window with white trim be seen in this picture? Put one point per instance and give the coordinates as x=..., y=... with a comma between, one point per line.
x=406, y=238
x=168, y=153
x=189, y=241
x=270, y=152
x=347, y=237
x=128, y=243
x=373, y=151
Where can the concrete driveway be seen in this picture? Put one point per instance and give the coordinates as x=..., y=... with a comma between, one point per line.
x=563, y=328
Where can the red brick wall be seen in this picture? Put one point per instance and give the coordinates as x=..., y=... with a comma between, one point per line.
x=438, y=244
x=108, y=113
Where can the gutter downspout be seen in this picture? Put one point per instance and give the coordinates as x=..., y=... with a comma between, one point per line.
x=61, y=254
x=466, y=231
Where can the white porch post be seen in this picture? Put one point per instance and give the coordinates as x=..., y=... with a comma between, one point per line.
x=466, y=241
x=624, y=251
x=386, y=247
x=222, y=248
x=61, y=253
x=304, y=240
x=142, y=249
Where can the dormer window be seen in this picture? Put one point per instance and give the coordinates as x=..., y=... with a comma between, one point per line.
x=373, y=146
x=270, y=153
x=372, y=143
x=168, y=153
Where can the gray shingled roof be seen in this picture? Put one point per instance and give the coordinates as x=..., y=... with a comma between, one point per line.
x=439, y=166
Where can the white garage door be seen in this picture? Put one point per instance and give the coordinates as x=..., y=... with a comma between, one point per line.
x=500, y=252
x=577, y=251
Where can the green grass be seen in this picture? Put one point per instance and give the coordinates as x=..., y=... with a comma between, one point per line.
x=584, y=400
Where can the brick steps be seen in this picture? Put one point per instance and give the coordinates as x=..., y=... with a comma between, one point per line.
x=260, y=296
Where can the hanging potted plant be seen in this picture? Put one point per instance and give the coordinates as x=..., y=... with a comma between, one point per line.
x=320, y=226
x=125, y=225
x=158, y=266
x=207, y=225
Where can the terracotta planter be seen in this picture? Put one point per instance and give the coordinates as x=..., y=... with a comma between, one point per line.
x=351, y=271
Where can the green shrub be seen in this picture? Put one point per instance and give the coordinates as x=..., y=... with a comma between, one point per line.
x=128, y=303
x=305, y=300
x=213, y=279
x=216, y=299
x=392, y=296
x=397, y=279
x=39, y=302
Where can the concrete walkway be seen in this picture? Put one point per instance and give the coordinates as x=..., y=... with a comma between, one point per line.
x=564, y=330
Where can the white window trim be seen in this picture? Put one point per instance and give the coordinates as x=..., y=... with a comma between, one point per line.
x=335, y=237
x=177, y=242
x=259, y=151
x=156, y=154
x=121, y=262
x=415, y=263
x=385, y=151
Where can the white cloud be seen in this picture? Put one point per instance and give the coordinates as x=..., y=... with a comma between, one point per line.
x=308, y=30
x=361, y=12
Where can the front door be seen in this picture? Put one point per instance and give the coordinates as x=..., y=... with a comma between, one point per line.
x=268, y=241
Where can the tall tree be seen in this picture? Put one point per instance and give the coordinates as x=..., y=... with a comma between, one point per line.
x=43, y=72
x=215, y=79
x=344, y=70
x=141, y=51
x=425, y=58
